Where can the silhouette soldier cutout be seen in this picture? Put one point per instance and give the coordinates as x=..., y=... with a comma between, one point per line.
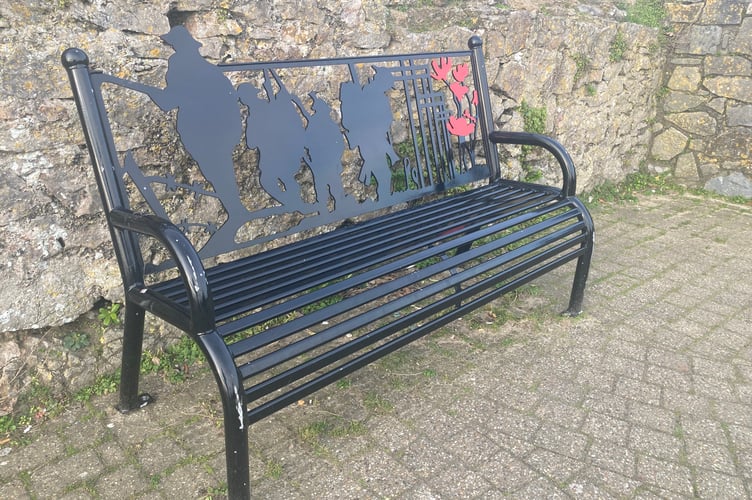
x=325, y=145
x=209, y=123
x=367, y=114
x=276, y=129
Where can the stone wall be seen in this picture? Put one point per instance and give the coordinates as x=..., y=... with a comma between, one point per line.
x=704, y=132
x=54, y=247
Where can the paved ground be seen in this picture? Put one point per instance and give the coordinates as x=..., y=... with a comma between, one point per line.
x=648, y=395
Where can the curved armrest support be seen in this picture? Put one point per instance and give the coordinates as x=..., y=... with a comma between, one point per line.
x=186, y=260
x=562, y=156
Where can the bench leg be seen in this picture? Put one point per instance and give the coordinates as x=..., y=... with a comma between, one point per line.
x=235, y=421
x=581, y=274
x=133, y=336
x=236, y=457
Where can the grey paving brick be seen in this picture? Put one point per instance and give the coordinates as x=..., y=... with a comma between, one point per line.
x=46, y=449
x=607, y=403
x=734, y=413
x=623, y=367
x=588, y=490
x=56, y=480
x=652, y=416
x=556, y=466
x=666, y=475
x=159, y=454
x=655, y=443
x=560, y=413
x=471, y=446
x=542, y=488
x=612, y=483
x=716, y=485
x=705, y=430
x=670, y=359
x=602, y=427
x=455, y=482
x=687, y=403
x=710, y=456
x=639, y=390
x=739, y=436
x=125, y=478
x=744, y=464
x=379, y=471
x=617, y=459
x=14, y=489
x=561, y=440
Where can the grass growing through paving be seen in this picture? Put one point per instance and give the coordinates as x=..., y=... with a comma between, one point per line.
x=39, y=402
x=314, y=433
x=642, y=183
x=627, y=190
x=177, y=362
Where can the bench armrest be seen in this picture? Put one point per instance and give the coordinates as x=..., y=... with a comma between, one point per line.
x=186, y=260
x=562, y=156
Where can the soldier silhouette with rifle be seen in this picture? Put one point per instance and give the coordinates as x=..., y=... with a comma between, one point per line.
x=209, y=123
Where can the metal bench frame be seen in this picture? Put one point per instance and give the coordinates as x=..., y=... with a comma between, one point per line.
x=368, y=287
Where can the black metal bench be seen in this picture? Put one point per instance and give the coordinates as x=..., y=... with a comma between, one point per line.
x=302, y=219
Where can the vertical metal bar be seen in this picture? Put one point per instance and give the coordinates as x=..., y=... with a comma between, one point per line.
x=444, y=140
x=133, y=336
x=485, y=118
x=411, y=120
x=235, y=413
x=76, y=63
x=104, y=159
x=583, y=263
x=426, y=139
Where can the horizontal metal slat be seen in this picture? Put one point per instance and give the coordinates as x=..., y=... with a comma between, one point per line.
x=259, y=340
x=268, y=263
x=357, y=252
x=304, y=345
x=310, y=366
x=336, y=245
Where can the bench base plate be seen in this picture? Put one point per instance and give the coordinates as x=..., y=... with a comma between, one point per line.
x=143, y=400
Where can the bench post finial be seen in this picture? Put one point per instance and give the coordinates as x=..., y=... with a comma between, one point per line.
x=475, y=42
x=74, y=57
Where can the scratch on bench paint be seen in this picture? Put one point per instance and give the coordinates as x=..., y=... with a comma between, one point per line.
x=239, y=408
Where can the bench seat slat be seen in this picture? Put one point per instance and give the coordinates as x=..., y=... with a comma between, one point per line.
x=363, y=276
x=276, y=333
x=235, y=294
x=448, y=314
x=397, y=234
x=247, y=291
x=483, y=195
x=311, y=342
x=280, y=255
x=270, y=263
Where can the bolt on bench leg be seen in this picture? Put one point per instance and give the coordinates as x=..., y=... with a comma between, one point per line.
x=133, y=336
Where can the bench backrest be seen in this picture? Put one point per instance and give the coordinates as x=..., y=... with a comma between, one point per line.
x=240, y=154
